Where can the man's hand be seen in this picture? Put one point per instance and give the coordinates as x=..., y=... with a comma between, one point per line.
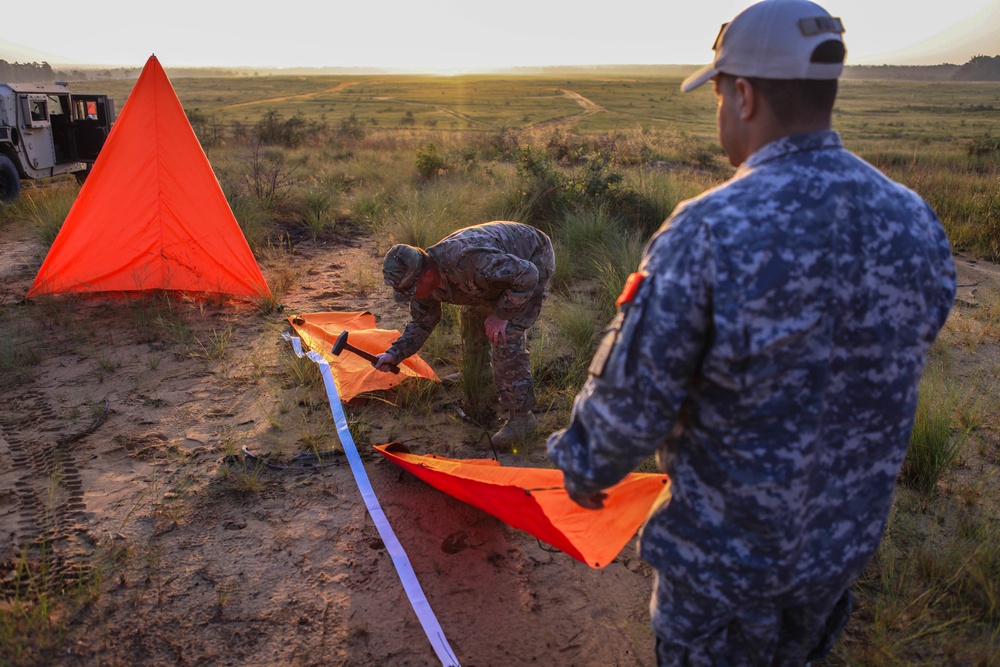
x=384, y=362
x=593, y=501
x=496, y=329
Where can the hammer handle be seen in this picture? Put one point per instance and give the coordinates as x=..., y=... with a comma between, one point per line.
x=369, y=356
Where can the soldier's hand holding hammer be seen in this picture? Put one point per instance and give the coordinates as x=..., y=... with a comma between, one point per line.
x=384, y=362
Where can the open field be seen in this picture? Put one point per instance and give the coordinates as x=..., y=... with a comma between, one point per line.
x=872, y=111
x=150, y=540
x=939, y=138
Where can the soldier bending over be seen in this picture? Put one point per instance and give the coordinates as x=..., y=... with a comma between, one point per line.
x=497, y=272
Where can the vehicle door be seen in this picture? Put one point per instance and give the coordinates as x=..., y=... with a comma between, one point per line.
x=92, y=117
x=36, y=131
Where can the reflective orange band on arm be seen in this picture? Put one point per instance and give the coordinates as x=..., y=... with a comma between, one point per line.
x=631, y=288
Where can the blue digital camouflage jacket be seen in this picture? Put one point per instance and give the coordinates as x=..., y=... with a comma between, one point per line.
x=772, y=356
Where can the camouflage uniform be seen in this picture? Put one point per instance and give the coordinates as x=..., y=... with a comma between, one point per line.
x=771, y=357
x=501, y=268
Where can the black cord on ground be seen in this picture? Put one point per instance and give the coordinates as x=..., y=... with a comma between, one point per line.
x=93, y=427
x=262, y=460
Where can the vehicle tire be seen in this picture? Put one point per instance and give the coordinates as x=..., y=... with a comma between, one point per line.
x=10, y=181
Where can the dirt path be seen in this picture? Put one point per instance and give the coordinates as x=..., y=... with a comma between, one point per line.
x=303, y=96
x=200, y=560
x=589, y=109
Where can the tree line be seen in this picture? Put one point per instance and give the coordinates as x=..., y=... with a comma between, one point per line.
x=980, y=68
x=26, y=71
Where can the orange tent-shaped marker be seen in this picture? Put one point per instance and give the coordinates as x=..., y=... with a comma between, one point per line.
x=534, y=500
x=151, y=215
x=352, y=374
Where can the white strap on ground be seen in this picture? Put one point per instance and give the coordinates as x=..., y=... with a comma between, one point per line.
x=406, y=574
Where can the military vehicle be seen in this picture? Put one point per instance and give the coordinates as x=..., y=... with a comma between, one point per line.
x=46, y=130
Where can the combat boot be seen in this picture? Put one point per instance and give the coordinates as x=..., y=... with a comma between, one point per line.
x=515, y=430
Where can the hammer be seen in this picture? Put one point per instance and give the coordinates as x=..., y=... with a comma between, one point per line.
x=341, y=344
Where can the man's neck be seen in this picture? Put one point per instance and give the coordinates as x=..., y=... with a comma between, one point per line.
x=428, y=280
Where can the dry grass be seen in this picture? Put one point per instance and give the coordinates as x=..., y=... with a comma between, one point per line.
x=929, y=597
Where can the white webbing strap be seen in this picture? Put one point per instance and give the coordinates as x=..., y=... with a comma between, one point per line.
x=403, y=568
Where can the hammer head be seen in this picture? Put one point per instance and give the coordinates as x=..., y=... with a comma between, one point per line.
x=338, y=345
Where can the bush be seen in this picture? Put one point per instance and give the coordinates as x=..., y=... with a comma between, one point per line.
x=273, y=130
x=547, y=192
x=983, y=147
x=429, y=162
x=206, y=127
x=268, y=176
x=350, y=128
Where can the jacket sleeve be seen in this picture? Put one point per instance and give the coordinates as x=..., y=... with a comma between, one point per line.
x=645, y=367
x=424, y=316
x=516, y=277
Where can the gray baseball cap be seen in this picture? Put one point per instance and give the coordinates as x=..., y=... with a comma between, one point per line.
x=775, y=39
x=401, y=268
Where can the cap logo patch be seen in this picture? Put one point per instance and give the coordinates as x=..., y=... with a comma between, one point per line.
x=820, y=24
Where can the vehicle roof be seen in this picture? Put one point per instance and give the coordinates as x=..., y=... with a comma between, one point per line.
x=37, y=87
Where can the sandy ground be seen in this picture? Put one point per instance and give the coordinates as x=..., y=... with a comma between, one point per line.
x=201, y=561
x=204, y=562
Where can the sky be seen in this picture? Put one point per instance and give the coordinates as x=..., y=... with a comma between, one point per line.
x=458, y=35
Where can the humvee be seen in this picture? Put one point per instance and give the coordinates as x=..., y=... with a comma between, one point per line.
x=46, y=130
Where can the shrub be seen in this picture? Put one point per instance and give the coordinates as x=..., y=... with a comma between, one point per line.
x=273, y=130
x=983, y=147
x=547, y=191
x=350, y=128
x=206, y=127
x=268, y=175
x=429, y=162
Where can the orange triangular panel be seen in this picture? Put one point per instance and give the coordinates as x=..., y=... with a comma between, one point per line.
x=535, y=500
x=151, y=215
x=352, y=374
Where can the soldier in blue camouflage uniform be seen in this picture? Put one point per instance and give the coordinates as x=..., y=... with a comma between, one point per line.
x=498, y=272
x=769, y=351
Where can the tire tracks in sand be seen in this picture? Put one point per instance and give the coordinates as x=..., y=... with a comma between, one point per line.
x=47, y=494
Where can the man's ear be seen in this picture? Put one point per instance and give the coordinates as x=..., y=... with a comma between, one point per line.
x=747, y=99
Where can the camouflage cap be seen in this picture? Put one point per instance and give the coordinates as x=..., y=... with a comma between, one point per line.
x=400, y=269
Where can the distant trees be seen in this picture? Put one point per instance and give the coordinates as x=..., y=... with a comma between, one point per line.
x=980, y=68
x=25, y=71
